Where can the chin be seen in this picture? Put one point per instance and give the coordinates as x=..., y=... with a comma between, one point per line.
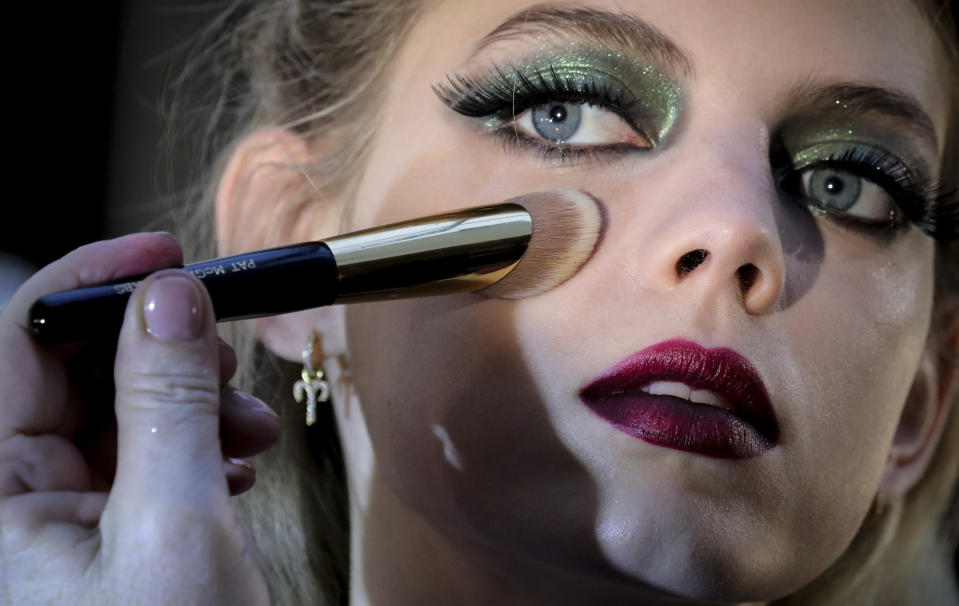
x=722, y=564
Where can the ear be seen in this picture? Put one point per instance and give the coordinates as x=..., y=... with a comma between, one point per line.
x=923, y=418
x=266, y=198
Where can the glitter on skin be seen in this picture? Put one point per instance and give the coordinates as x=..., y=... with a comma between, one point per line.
x=819, y=140
x=656, y=99
x=806, y=142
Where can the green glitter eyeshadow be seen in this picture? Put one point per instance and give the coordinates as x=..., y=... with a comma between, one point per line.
x=810, y=141
x=647, y=99
x=656, y=100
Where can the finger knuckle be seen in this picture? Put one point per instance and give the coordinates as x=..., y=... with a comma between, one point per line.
x=171, y=389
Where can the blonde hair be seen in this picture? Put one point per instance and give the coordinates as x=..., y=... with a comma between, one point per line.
x=315, y=67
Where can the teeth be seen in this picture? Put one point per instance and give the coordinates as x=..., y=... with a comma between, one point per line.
x=681, y=390
x=705, y=396
x=667, y=388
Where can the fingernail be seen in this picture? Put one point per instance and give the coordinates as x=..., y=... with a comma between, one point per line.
x=173, y=310
x=253, y=404
x=242, y=463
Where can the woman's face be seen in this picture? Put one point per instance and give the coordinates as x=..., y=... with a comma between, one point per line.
x=736, y=128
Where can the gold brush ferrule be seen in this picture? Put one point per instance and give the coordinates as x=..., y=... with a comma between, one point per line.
x=454, y=252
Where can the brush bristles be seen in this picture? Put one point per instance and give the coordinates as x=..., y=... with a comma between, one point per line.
x=566, y=226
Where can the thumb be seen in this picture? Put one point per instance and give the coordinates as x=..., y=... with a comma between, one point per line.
x=168, y=399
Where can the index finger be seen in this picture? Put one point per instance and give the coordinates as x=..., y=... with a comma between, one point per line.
x=96, y=263
x=33, y=382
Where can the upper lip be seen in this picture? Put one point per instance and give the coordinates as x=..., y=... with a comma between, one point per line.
x=721, y=370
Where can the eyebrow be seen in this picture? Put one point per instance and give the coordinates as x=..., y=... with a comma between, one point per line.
x=597, y=25
x=861, y=100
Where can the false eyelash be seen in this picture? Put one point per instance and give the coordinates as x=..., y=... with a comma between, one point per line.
x=498, y=95
x=933, y=210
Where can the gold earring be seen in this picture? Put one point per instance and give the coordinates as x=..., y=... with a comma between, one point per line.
x=878, y=508
x=312, y=386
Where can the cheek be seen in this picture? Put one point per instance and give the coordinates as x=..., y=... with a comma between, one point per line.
x=859, y=334
x=445, y=383
x=457, y=167
x=412, y=175
x=459, y=430
x=862, y=330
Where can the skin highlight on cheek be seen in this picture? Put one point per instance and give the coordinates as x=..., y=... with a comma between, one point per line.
x=862, y=316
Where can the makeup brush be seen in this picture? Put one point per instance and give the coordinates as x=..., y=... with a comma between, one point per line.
x=516, y=249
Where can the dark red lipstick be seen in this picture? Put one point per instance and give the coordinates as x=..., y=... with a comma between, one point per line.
x=738, y=423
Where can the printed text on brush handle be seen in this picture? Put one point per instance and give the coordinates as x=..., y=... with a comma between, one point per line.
x=266, y=282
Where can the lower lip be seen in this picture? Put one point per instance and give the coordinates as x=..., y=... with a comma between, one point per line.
x=682, y=425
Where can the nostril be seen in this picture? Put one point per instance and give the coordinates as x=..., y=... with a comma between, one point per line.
x=747, y=274
x=690, y=261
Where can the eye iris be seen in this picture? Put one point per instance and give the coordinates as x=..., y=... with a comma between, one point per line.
x=556, y=121
x=836, y=189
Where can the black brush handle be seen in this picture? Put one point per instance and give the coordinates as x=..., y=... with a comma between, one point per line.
x=265, y=282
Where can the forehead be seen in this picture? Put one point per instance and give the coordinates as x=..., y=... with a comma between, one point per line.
x=746, y=50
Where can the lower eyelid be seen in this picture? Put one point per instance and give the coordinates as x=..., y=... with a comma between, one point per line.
x=608, y=120
x=517, y=142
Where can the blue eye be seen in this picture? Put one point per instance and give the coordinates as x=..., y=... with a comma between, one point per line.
x=835, y=189
x=563, y=112
x=570, y=125
x=841, y=192
x=557, y=122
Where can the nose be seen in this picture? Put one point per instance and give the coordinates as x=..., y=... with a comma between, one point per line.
x=724, y=242
x=735, y=259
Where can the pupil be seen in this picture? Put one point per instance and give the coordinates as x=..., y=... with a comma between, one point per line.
x=557, y=122
x=834, y=189
x=833, y=185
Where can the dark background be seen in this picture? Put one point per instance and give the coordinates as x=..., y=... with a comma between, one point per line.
x=84, y=91
x=61, y=82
